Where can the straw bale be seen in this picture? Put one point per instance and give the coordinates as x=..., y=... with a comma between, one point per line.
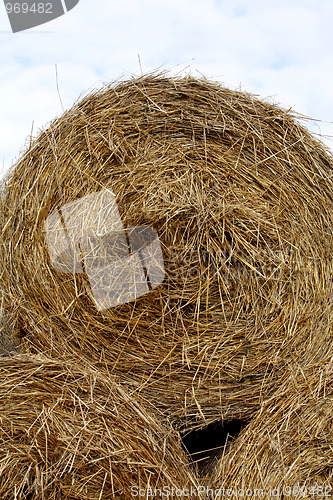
x=288, y=446
x=67, y=432
x=240, y=194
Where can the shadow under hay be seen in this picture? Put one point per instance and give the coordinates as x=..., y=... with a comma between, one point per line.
x=207, y=445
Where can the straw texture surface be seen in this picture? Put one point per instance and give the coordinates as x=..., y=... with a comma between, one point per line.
x=240, y=194
x=70, y=433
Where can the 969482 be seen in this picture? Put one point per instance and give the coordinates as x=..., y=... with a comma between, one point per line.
x=25, y=8
x=312, y=491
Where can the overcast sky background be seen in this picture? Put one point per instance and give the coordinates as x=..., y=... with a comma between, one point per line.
x=282, y=50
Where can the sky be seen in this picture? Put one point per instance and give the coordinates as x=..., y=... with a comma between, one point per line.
x=281, y=50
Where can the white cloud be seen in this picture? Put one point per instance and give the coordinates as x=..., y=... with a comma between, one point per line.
x=280, y=49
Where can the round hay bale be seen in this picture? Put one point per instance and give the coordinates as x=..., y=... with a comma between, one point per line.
x=240, y=195
x=286, y=450
x=69, y=432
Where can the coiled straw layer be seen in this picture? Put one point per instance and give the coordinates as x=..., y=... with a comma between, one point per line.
x=71, y=433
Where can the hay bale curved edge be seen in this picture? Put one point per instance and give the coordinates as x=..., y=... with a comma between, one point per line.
x=68, y=432
x=241, y=196
x=288, y=446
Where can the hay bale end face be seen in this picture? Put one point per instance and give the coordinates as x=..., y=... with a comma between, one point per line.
x=69, y=432
x=288, y=445
x=240, y=195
